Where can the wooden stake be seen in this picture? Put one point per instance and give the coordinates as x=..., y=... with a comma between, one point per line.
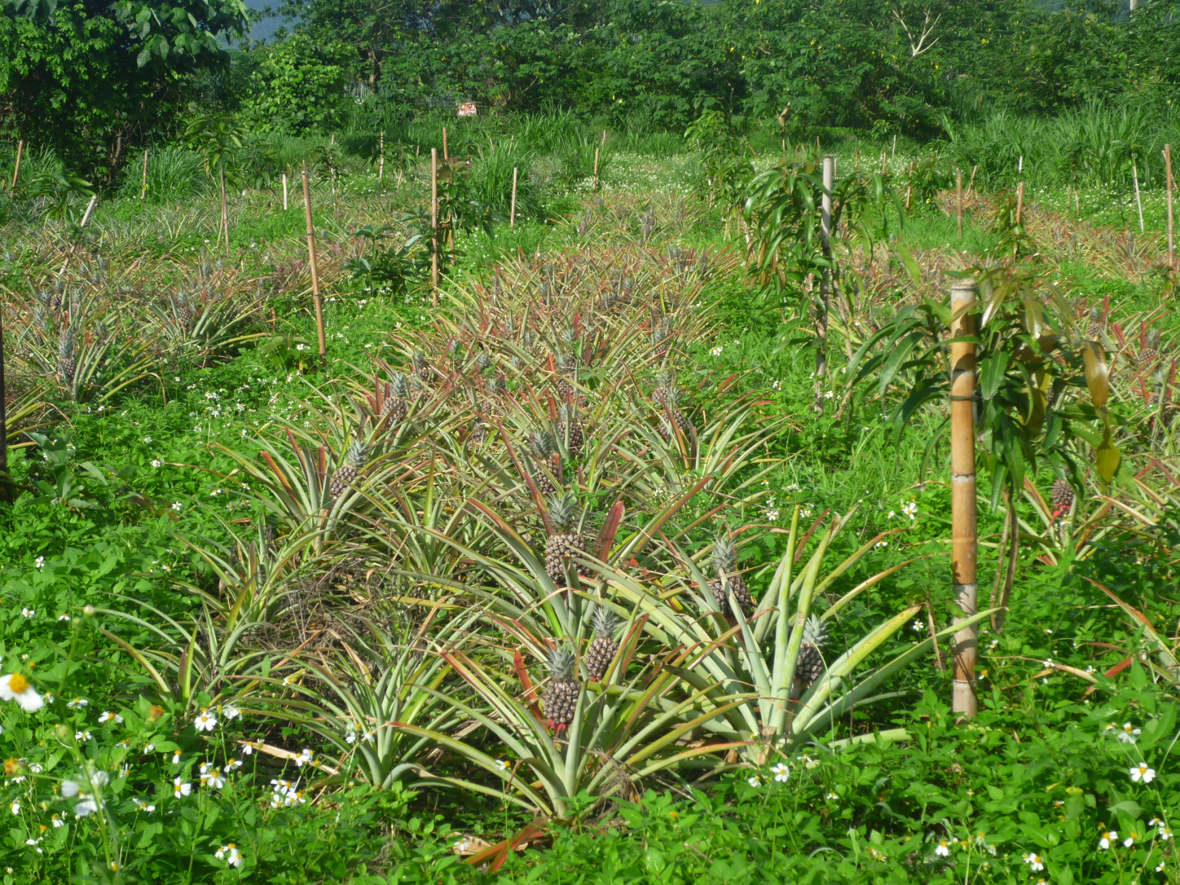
x=143, y=188
x=1019, y=202
x=1138, y=202
x=315, y=273
x=856, y=157
x=894, y=146
x=909, y=188
x=512, y=211
x=971, y=183
x=284, y=191
x=603, y=138
x=5, y=485
x=20, y=150
x=224, y=203
x=596, y=169
x=825, y=286
x=446, y=152
x=1077, y=202
x=85, y=220
x=380, y=162
x=959, y=200
x=882, y=162
x=963, y=500
x=1171, y=186
x=434, y=223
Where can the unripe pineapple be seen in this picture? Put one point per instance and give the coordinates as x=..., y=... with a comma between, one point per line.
x=421, y=367
x=1150, y=348
x=810, y=664
x=347, y=474
x=728, y=580
x=184, y=310
x=566, y=541
x=66, y=366
x=483, y=361
x=397, y=399
x=603, y=647
x=571, y=429
x=1096, y=327
x=673, y=418
x=560, y=699
x=665, y=383
x=567, y=368
x=1062, y=495
x=542, y=447
x=58, y=297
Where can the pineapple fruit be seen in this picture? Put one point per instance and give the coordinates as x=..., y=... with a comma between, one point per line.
x=184, y=310
x=567, y=369
x=66, y=365
x=665, y=382
x=560, y=699
x=542, y=446
x=397, y=399
x=603, y=647
x=347, y=474
x=571, y=429
x=1062, y=496
x=1151, y=349
x=728, y=580
x=566, y=541
x=810, y=664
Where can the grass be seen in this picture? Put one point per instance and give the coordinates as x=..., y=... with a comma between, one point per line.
x=156, y=505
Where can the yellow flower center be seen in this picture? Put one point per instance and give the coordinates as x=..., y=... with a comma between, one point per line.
x=18, y=683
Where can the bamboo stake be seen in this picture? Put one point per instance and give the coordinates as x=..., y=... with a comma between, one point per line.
x=5, y=486
x=512, y=211
x=856, y=157
x=380, y=162
x=894, y=146
x=909, y=188
x=1138, y=202
x=434, y=223
x=284, y=191
x=1019, y=202
x=1171, y=223
x=963, y=500
x=20, y=150
x=604, y=138
x=315, y=273
x=143, y=188
x=971, y=183
x=224, y=203
x=85, y=220
x=446, y=151
x=821, y=326
x=959, y=200
x=882, y=162
x=595, y=169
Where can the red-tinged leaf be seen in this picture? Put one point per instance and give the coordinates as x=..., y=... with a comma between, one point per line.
x=610, y=528
x=522, y=674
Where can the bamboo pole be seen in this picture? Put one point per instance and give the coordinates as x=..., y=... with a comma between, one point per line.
x=434, y=224
x=959, y=200
x=894, y=146
x=882, y=162
x=284, y=191
x=20, y=150
x=825, y=286
x=446, y=150
x=315, y=272
x=1019, y=202
x=224, y=203
x=143, y=187
x=380, y=162
x=1170, y=183
x=512, y=211
x=604, y=138
x=5, y=485
x=963, y=500
x=1138, y=201
x=971, y=183
x=85, y=220
x=596, y=169
x=909, y=188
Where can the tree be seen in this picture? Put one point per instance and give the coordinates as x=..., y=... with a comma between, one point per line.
x=89, y=78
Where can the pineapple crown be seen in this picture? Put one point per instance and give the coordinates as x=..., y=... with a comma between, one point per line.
x=561, y=664
x=495, y=386
x=604, y=621
x=724, y=555
x=65, y=344
x=815, y=631
x=1153, y=338
x=542, y=444
x=399, y=386
x=419, y=360
x=563, y=512
x=484, y=360
x=567, y=414
x=567, y=363
x=666, y=379
x=357, y=452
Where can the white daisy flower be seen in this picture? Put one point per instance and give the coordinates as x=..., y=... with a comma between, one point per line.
x=1141, y=773
x=15, y=687
x=943, y=849
x=781, y=772
x=179, y=788
x=206, y=721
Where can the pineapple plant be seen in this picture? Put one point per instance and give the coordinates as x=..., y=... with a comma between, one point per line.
x=810, y=664
x=184, y=310
x=603, y=647
x=542, y=446
x=1062, y=496
x=421, y=367
x=560, y=699
x=571, y=429
x=566, y=541
x=397, y=399
x=1096, y=326
x=567, y=368
x=665, y=383
x=1151, y=348
x=66, y=365
x=350, y=470
x=728, y=580
x=673, y=418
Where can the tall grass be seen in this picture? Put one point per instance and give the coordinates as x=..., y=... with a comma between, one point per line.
x=172, y=174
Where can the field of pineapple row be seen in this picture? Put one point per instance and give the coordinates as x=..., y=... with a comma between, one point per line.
x=574, y=568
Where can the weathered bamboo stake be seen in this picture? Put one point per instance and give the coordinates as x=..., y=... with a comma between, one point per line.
x=224, y=203
x=1138, y=202
x=20, y=150
x=882, y=162
x=85, y=220
x=971, y=183
x=143, y=187
x=604, y=138
x=446, y=150
x=894, y=146
x=1019, y=202
x=380, y=162
x=284, y=191
x=856, y=157
x=959, y=200
x=512, y=211
x=909, y=187
x=1171, y=222
x=595, y=169
x=315, y=272
x=963, y=500
x=5, y=487
x=825, y=286
x=434, y=224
